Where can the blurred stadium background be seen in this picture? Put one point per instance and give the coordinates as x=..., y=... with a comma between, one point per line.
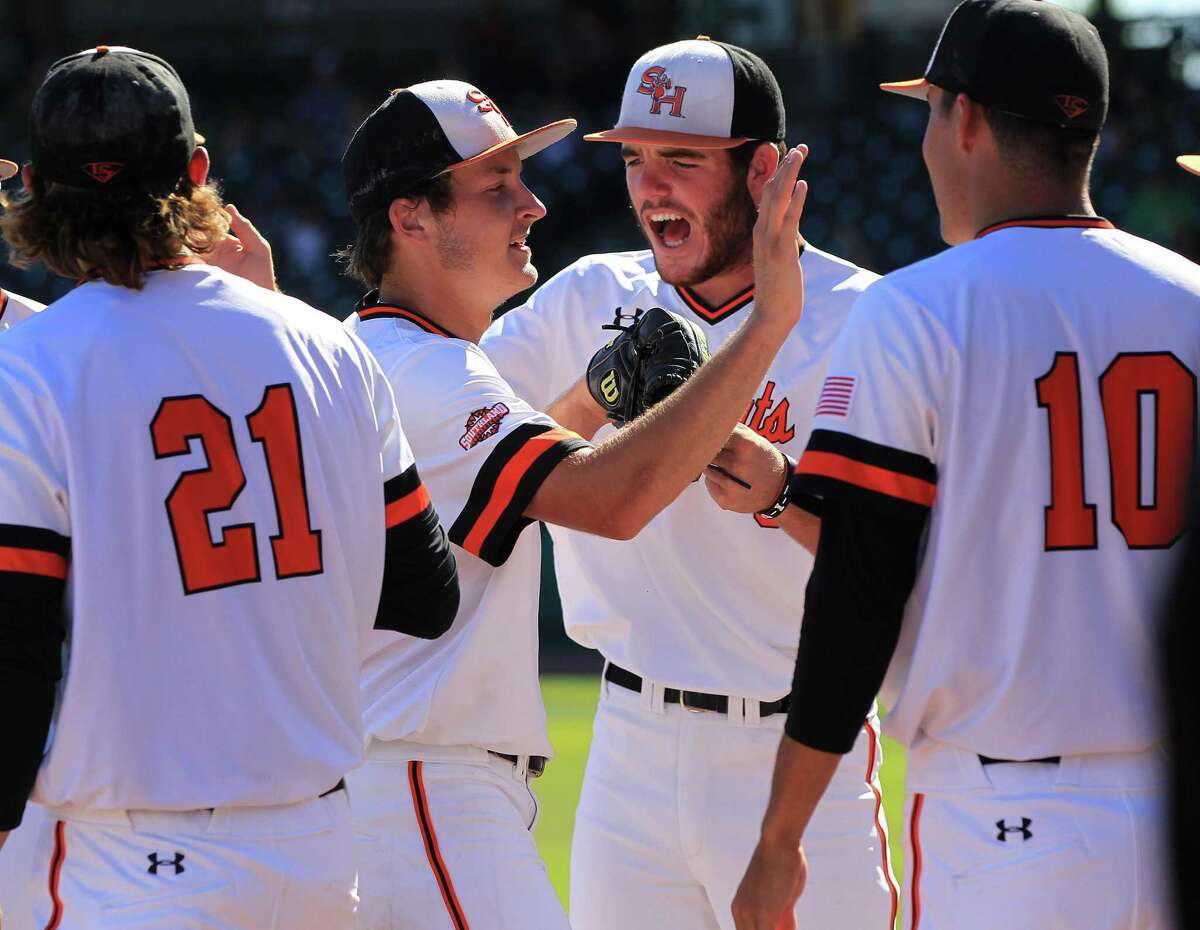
x=279, y=85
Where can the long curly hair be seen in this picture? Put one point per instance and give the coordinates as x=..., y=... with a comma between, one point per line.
x=116, y=237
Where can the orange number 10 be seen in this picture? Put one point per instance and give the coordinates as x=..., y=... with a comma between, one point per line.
x=1164, y=380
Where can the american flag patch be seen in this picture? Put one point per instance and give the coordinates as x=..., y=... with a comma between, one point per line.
x=835, y=396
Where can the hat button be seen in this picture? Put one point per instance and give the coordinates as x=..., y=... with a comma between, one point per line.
x=703, y=38
x=101, y=49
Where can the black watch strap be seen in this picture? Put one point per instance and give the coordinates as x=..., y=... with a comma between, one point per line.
x=785, y=496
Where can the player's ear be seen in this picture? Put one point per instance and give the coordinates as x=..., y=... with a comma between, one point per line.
x=27, y=175
x=197, y=169
x=969, y=123
x=762, y=167
x=405, y=215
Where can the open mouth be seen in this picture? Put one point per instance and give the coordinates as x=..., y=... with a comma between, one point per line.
x=671, y=229
x=519, y=243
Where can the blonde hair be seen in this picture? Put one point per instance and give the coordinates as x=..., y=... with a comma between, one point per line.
x=117, y=237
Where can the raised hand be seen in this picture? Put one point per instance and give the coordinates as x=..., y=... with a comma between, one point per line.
x=778, y=279
x=245, y=252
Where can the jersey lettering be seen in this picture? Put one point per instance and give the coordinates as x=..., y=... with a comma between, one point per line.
x=203, y=564
x=1131, y=383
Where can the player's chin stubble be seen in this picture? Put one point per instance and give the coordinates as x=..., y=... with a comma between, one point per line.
x=729, y=229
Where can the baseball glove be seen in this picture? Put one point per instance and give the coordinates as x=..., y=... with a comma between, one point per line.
x=646, y=361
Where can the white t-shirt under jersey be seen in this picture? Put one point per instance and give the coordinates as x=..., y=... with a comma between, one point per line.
x=1035, y=390
x=483, y=453
x=701, y=599
x=203, y=461
x=15, y=309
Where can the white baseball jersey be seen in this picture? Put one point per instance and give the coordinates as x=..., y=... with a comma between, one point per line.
x=15, y=309
x=701, y=599
x=1035, y=390
x=484, y=452
x=203, y=461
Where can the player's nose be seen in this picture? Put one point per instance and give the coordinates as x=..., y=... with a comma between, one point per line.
x=529, y=206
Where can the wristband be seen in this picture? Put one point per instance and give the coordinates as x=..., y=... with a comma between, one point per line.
x=785, y=496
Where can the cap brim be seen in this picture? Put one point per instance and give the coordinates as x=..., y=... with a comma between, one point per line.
x=918, y=88
x=1189, y=163
x=526, y=144
x=635, y=135
x=8, y=169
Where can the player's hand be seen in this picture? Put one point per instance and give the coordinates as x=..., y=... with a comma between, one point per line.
x=245, y=252
x=778, y=280
x=766, y=898
x=756, y=462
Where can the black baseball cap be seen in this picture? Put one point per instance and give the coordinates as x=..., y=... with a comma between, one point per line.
x=425, y=130
x=1029, y=58
x=700, y=94
x=112, y=118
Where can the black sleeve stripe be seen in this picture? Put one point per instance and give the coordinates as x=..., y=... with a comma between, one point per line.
x=14, y=536
x=403, y=484
x=822, y=487
x=493, y=518
x=872, y=453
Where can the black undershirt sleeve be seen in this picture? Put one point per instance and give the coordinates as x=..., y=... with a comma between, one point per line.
x=865, y=569
x=32, y=628
x=420, y=579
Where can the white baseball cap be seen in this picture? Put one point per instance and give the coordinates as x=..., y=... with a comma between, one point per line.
x=700, y=94
x=425, y=130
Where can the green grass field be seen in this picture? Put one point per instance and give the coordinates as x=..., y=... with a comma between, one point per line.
x=570, y=704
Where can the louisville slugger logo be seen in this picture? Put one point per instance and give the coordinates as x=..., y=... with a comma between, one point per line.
x=655, y=85
x=1073, y=107
x=103, y=171
x=481, y=424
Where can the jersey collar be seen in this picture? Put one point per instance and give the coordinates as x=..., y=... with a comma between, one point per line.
x=369, y=308
x=1049, y=222
x=713, y=315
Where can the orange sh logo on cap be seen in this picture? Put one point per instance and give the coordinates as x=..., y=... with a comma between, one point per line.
x=485, y=105
x=655, y=84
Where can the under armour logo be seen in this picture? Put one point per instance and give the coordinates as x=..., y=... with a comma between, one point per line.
x=155, y=862
x=1005, y=829
x=619, y=318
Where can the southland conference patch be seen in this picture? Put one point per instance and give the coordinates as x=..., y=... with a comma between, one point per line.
x=482, y=424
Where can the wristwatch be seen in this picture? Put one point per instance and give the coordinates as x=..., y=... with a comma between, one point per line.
x=785, y=497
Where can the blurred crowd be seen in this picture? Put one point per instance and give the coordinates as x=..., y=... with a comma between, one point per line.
x=277, y=123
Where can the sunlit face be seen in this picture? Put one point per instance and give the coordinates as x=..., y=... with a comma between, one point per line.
x=945, y=168
x=697, y=215
x=484, y=232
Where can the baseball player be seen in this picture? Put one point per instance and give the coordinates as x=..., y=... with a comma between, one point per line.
x=1004, y=480
x=697, y=617
x=13, y=308
x=206, y=497
x=443, y=809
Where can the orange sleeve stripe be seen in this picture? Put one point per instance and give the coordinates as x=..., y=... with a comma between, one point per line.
x=406, y=507
x=32, y=562
x=871, y=477
x=506, y=484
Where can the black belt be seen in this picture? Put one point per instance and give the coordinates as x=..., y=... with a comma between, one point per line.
x=988, y=760
x=340, y=786
x=692, y=700
x=537, y=764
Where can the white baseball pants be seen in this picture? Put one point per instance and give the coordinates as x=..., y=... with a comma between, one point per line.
x=17, y=890
x=1077, y=845
x=670, y=813
x=289, y=867
x=444, y=841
